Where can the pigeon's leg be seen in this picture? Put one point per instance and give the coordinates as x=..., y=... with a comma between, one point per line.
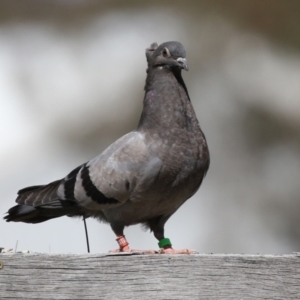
x=165, y=244
x=123, y=244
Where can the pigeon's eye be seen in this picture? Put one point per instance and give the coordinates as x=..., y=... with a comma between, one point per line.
x=165, y=52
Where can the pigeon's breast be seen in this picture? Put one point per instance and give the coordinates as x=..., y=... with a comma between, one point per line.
x=178, y=176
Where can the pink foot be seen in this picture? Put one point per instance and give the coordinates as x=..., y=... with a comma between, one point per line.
x=173, y=251
x=124, y=247
x=133, y=251
x=167, y=249
x=161, y=251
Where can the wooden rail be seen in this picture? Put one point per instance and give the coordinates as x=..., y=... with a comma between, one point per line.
x=104, y=276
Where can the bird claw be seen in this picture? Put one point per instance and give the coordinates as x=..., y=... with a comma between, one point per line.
x=173, y=251
x=133, y=251
x=169, y=251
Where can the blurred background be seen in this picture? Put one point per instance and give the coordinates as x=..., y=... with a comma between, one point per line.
x=72, y=74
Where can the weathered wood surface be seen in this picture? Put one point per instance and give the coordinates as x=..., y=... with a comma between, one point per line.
x=101, y=276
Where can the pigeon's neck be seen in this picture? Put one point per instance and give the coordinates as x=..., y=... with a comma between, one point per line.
x=166, y=103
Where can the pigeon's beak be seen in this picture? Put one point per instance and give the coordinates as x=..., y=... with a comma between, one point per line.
x=183, y=63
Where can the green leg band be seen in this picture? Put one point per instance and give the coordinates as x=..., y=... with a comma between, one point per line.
x=164, y=242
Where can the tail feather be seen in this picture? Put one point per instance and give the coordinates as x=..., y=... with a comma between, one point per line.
x=30, y=188
x=37, y=204
x=39, y=194
x=26, y=214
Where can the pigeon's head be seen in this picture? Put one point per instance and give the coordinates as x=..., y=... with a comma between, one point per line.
x=170, y=55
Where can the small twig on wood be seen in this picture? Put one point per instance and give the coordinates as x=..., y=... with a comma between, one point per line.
x=86, y=235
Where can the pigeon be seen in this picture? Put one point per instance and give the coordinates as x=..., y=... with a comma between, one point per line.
x=144, y=176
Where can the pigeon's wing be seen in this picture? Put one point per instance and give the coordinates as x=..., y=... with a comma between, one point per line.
x=111, y=178
x=107, y=181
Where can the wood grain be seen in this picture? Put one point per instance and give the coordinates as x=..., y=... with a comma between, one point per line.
x=103, y=276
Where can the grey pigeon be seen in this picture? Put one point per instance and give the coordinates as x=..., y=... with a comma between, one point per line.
x=143, y=177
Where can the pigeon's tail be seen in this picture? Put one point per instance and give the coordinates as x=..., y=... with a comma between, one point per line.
x=37, y=204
